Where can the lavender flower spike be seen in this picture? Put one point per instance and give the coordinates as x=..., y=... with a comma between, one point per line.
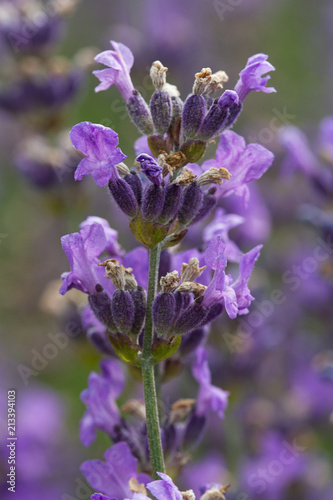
x=251, y=77
x=120, y=61
x=99, y=144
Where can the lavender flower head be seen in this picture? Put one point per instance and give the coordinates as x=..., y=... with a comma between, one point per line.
x=144, y=311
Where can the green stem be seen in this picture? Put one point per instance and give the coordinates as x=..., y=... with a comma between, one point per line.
x=147, y=367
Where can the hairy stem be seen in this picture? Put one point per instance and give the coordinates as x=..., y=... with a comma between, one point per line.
x=148, y=376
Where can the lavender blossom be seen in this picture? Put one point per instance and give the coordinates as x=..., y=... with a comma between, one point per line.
x=220, y=226
x=100, y=399
x=251, y=77
x=82, y=250
x=243, y=295
x=112, y=476
x=164, y=488
x=244, y=162
x=99, y=144
x=120, y=61
x=210, y=397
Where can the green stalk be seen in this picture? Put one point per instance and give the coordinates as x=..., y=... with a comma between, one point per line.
x=147, y=367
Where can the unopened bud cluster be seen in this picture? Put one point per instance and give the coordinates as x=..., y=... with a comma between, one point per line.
x=179, y=308
x=173, y=125
x=169, y=199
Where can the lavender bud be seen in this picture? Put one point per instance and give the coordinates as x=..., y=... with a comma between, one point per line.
x=182, y=301
x=190, y=341
x=194, y=111
x=160, y=108
x=139, y=113
x=207, y=205
x=217, y=115
x=134, y=181
x=234, y=112
x=194, y=430
x=173, y=196
x=124, y=196
x=193, y=317
x=163, y=312
x=177, y=108
x=192, y=198
x=100, y=341
x=140, y=305
x=214, y=311
x=151, y=169
x=152, y=202
x=100, y=303
x=122, y=307
x=176, y=119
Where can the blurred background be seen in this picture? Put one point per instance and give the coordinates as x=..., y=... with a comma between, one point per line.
x=279, y=370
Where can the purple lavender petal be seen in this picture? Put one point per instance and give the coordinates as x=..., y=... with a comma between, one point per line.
x=100, y=399
x=120, y=62
x=113, y=475
x=251, y=77
x=99, y=144
x=210, y=397
x=164, y=489
x=220, y=226
x=113, y=248
x=82, y=250
x=245, y=163
x=244, y=297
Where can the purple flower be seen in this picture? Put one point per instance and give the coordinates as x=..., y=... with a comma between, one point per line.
x=219, y=289
x=120, y=61
x=82, y=250
x=257, y=227
x=99, y=144
x=150, y=168
x=113, y=248
x=210, y=397
x=112, y=476
x=244, y=162
x=164, y=489
x=220, y=226
x=299, y=154
x=235, y=296
x=251, y=77
x=100, y=399
x=243, y=295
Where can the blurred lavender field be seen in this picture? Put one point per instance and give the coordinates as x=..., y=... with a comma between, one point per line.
x=275, y=442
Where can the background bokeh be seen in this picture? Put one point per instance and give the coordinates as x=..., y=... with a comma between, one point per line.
x=185, y=36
